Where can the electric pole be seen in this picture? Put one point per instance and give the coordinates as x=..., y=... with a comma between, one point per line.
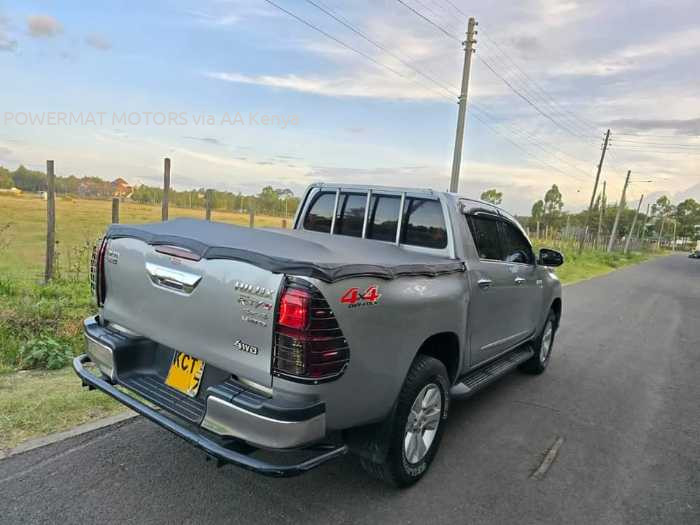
x=601, y=210
x=595, y=188
x=459, y=139
x=619, y=212
x=643, y=230
x=634, y=222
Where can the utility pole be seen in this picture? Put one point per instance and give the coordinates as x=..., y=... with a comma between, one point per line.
x=634, y=222
x=459, y=139
x=643, y=230
x=595, y=188
x=601, y=210
x=620, y=206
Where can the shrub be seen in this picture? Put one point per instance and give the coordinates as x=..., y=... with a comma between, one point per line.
x=44, y=352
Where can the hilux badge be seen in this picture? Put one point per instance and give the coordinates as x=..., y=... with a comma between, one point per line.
x=245, y=347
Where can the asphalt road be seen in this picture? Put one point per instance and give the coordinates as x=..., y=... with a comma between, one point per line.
x=622, y=391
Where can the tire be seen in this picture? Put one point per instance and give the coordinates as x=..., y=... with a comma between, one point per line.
x=543, y=344
x=409, y=456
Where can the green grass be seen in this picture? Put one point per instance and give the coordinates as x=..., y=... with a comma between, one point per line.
x=78, y=221
x=35, y=403
x=593, y=263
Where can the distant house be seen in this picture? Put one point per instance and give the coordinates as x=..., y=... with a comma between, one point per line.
x=121, y=188
x=13, y=190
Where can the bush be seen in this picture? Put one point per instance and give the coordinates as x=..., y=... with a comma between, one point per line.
x=44, y=352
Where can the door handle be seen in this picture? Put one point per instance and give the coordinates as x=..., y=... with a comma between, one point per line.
x=519, y=280
x=484, y=283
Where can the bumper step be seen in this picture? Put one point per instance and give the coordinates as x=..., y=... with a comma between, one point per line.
x=152, y=388
x=478, y=379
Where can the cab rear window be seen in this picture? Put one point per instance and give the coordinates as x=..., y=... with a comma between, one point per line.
x=423, y=224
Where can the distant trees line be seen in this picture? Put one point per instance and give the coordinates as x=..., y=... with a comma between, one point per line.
x=548, y=219
x=270, y=201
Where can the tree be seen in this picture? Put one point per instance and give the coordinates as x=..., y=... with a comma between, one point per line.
x=537, y=214
x=5, y=178
x=553, y=204
x=688, y=216
x=492, y=196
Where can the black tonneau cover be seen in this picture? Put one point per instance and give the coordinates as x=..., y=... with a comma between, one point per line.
x=326, y=257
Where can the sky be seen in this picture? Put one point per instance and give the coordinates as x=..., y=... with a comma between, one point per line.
x=240, y=94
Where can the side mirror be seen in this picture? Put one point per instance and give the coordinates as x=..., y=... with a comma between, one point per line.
x=550, y=257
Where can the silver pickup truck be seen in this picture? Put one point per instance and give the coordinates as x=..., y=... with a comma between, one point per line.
x=278, y=350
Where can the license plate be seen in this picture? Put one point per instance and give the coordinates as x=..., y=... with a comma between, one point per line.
x=185, y=374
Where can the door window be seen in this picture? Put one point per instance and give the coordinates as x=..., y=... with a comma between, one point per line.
x=424, y=224
x=516, y=248
x=487, y=237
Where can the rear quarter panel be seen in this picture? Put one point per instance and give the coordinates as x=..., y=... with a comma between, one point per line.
x=384, y=338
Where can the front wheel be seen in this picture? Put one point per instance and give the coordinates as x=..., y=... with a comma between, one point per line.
x=418, y=425
x=543, y=347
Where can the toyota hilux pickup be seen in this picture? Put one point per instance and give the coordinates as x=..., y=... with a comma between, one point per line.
x=278, y=350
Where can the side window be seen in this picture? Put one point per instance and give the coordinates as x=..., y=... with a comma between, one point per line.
x=384, y=214
x=318, y=218
x=351, y=214
x=516, y=248
x=485, y=233
x=423, y=224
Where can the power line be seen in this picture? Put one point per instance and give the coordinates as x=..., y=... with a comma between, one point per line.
x=432, y=23
x=357, y=31
x=547, y=98
x=337, y=40
x=526, y=99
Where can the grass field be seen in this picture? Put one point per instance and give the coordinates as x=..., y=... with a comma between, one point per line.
x=34, y=316
x=78, y=221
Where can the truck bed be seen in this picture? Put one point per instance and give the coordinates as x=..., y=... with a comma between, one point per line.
x=329, y=258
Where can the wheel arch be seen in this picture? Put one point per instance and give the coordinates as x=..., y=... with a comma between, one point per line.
x=556, y=308
x=444, y=347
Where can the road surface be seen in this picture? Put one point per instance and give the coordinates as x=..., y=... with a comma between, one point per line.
x=622, y=391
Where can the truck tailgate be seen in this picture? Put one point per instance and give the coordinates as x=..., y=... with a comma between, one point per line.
x=220, y=311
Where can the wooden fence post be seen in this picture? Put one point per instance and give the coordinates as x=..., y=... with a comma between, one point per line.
x=115, y=210
x=209, y=195
x=284, y=223
x=50, y=220
x=166, y=187
x=251, y=217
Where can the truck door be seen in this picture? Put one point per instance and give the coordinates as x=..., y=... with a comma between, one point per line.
x=527, y=293
x=497, y=308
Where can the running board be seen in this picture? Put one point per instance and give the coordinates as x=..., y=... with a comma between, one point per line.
x=476, y=380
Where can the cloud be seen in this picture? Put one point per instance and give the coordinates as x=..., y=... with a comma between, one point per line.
x=637, y=56
x=43, y=26
x=679, y=126
x=5, y=152
x=206, y=140
x=367, y=86
x=98, y=42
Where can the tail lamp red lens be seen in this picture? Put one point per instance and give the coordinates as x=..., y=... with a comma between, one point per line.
x=294, y=309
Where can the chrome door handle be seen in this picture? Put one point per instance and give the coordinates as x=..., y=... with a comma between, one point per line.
x=484, y=283
x=519, y=280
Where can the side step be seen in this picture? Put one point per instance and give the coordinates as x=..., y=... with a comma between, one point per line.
x=476, y=380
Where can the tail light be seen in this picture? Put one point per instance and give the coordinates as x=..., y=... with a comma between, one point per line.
x=309, y=345
x=98, y=283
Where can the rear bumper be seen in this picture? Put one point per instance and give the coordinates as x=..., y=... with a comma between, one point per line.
x=223, y=421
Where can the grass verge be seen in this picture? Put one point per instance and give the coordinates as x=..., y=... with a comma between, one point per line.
x=36, y=403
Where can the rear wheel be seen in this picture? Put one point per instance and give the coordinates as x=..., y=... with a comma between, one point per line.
x=543, y=347
x=418, y=424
